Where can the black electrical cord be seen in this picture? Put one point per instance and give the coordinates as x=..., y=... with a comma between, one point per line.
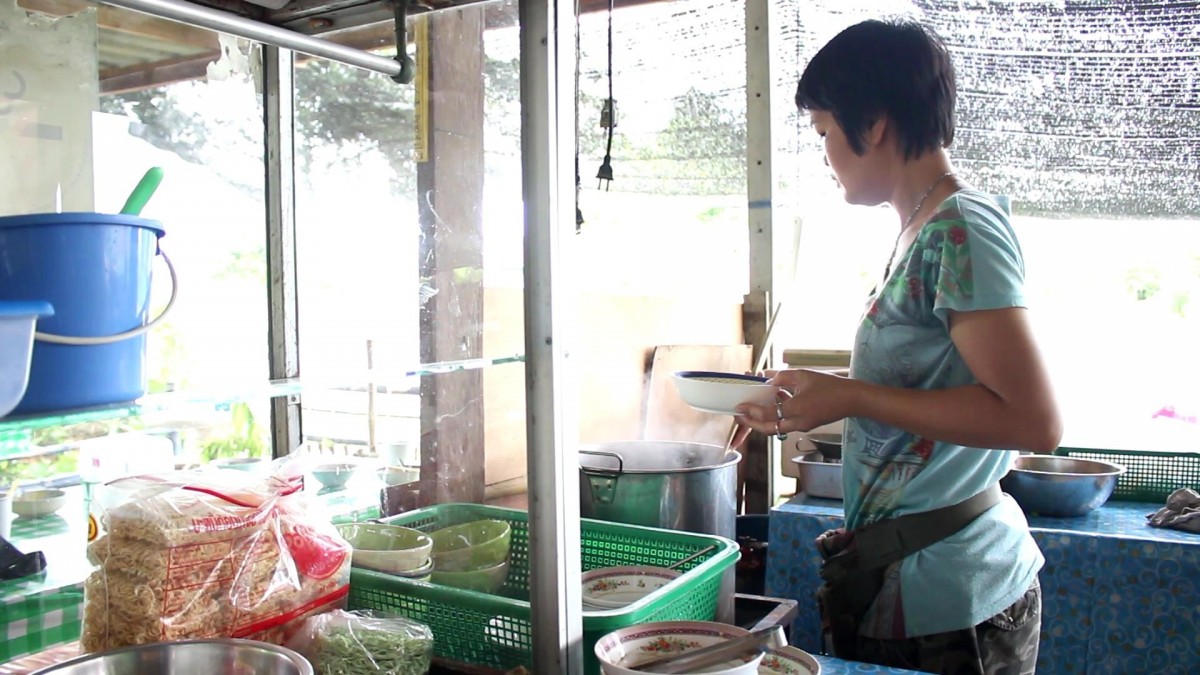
x=606, y=171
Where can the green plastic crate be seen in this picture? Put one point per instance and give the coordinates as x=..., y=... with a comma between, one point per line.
x=1150, y=476
x=494, y=630
x=15, y=442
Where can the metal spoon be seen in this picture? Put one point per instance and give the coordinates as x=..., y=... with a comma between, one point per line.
x=691, y=557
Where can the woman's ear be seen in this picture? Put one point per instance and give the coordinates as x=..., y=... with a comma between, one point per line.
x=877, y=133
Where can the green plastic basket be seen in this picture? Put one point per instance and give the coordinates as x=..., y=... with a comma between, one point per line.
x=1150, y=476
x=494, y=630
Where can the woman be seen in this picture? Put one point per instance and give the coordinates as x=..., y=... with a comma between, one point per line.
x=945, y=380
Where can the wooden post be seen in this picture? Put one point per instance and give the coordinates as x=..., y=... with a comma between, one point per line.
x=450, y=199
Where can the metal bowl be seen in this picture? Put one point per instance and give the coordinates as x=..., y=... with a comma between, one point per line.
x=820, y=476
x=188, y=657
x=1049, y=485
x=829, y=445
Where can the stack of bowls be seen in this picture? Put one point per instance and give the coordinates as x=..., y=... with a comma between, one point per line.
x=473, y=556
x=396, y=550
x=617, y=587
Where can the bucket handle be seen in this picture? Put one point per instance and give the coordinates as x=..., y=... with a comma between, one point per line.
x=109, y=339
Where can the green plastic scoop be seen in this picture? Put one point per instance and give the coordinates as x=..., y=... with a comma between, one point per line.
x=143, y=192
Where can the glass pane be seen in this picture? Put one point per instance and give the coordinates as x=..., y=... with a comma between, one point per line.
x=663, y=247
x=410, y=261
x=91, y=98
x=410, y=233
x=671, y=222
x=94, y=98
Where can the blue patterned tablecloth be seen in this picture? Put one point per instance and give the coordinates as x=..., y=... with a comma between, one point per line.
x=832, y=666
x=1118, y=595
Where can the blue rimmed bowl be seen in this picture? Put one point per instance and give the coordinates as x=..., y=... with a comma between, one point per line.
x=720, y=393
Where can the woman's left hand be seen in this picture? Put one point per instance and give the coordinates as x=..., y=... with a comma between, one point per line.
x=807, y=400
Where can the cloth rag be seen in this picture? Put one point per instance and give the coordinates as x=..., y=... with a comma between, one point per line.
x=1182, y=512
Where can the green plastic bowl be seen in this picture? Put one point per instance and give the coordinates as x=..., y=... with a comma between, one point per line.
x=387, y=548
x=486, y=580
x=471, y=546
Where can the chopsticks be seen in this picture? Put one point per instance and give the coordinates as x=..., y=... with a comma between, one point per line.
x=757, y=641
x=760, y=363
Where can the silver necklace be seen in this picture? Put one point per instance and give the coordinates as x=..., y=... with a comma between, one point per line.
x=920, y=203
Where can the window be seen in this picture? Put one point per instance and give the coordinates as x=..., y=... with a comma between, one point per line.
x=1062, y=108
x=409, y=257
x=201, y=122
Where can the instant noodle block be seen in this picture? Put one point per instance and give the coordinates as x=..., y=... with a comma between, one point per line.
x=192, y=555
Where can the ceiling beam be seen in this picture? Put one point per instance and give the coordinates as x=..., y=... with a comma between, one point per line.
x=143, y=76
x=146, y=75
x=354, y=23
x=125, y=21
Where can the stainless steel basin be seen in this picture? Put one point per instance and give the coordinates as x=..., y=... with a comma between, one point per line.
x=1049, y=485
x=188, y=657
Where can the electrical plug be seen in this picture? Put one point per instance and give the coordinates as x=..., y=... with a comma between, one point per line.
x=605, y=173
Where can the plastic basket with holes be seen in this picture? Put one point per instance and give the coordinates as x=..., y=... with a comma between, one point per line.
x=15, y=442
x=1150, y=476
x=494, y=630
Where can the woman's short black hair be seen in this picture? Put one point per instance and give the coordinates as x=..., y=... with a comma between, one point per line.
x=898, y=69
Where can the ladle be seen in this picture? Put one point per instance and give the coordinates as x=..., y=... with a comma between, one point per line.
x=142, y=192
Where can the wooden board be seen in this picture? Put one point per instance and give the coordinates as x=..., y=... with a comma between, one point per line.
x=667, y=417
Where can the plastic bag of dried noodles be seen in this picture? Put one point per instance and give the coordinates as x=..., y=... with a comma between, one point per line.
x=204, y=554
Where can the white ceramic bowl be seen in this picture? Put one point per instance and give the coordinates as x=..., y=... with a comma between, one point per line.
x=630, y=647
x=788, y=661
x=334, y=475
x=38, y=503
x=720, y=393
x=399, y=475
x=616, y=587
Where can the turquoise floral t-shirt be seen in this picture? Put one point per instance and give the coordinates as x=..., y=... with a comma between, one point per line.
x=965, y=258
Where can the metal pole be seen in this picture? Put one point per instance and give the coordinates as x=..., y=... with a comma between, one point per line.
x=552, y=424
x=283, y=326
x=760, y=151
x=224, y=22
x=768, y=250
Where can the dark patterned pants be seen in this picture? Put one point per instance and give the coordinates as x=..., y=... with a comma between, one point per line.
x=1006, y=644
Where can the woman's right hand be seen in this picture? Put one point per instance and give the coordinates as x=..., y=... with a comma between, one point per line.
x=741, y=431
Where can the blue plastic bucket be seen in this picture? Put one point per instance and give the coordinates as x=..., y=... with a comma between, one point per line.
x=95, y=269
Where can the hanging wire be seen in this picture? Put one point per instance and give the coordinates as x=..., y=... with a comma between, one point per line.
x=606, y=172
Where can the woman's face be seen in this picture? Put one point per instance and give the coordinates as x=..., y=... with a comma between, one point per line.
x=857, y=174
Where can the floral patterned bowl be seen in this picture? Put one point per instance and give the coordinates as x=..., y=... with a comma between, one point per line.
x=627, y=648
x=616, y=587
x=788, y=661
